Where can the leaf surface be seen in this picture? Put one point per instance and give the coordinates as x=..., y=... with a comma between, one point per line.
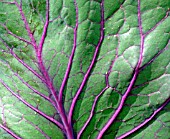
x=84, y=69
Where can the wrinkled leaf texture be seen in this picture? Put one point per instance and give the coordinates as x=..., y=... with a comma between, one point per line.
x=87, y=69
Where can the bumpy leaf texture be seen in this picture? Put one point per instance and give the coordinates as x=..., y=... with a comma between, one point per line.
x=84, y=69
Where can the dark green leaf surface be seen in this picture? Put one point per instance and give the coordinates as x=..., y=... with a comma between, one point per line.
x=84, y=69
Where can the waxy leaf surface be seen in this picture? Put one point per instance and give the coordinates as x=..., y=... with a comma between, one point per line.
x=84, y=69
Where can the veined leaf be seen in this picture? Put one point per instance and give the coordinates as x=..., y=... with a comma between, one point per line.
x=84, y=69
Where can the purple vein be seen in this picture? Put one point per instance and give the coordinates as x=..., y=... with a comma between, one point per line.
x=41, y=43
x=91, y=113
x=21, y=61
x=34, y=90
x=3, y=116
x=31, y=107
x=26, y=25
x=146, y=121
x=98, y=96
x=91, y=65
x=136, y=72
x=49, y=83
x=51, y=88
x=28, y=67
x=10, y=132
x=156, y=56
x=147, y=64
x=71, y=56
x=43, y=70
x=40, y=130
x=42, y=67
x=7, y=2
x=14, y=35
x=152, y=29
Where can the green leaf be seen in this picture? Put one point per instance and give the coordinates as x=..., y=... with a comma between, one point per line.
x=81, y=69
